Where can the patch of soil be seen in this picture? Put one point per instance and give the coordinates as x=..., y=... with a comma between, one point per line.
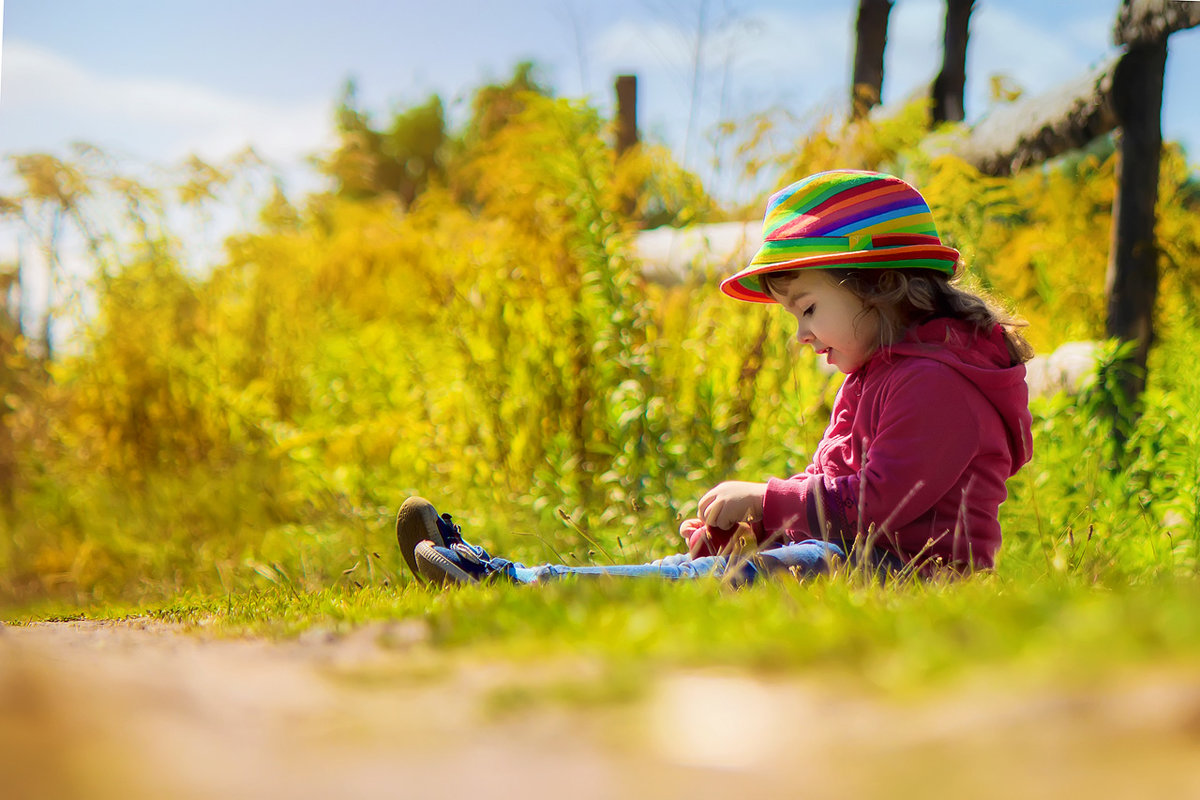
x=137, y=710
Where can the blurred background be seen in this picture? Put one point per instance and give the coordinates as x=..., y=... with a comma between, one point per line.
x=160, y=82
x=270, y=267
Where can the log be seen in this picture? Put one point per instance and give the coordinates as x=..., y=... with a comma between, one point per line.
x=1031, y=131
x=671, y=256
x=1149, y=21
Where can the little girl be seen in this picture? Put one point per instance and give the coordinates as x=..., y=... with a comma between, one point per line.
x=931, y=420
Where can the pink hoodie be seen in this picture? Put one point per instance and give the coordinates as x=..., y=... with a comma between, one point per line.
x=920, y=442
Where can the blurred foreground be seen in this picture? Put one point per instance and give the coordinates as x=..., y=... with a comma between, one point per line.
x=135, y=709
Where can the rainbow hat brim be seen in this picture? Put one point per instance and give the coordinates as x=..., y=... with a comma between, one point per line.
x=888, y=254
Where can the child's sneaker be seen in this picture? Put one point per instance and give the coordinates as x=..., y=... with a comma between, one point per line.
x=457, y=563
x=419, y=522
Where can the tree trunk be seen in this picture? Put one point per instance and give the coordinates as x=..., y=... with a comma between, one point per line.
x=871, y=39
x=949, y=85
x=1148, y=21
x=1131, y=282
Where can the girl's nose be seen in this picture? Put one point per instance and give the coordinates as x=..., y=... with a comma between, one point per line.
x=804, y=336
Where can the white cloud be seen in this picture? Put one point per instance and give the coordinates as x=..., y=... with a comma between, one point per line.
x=773, y=49
x=628, y=45
x=1093, y=34
x=1037, y=58
x=750, y=63
x=799, y=49
x=763, y=41
x=914, y=47
x=1002, y=41
x=48, y=100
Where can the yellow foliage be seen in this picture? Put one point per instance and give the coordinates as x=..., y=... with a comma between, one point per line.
x=1037, y=240
x=494, y=346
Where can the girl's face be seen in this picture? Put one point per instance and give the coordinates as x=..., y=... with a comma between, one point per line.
x=831, y=319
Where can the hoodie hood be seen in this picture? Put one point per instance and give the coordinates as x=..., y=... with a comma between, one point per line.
x=984, y=360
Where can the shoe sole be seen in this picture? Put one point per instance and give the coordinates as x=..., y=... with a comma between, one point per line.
x=436, y=568
x=416, y=522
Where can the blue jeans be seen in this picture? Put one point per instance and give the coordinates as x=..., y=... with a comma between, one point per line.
x=804, y=559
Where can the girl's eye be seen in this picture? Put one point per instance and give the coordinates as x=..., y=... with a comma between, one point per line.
x=808, y=311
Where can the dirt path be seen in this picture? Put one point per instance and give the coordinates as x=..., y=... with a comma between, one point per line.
x=131, y=710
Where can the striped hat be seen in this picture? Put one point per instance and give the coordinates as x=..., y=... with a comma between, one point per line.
x=843, y=218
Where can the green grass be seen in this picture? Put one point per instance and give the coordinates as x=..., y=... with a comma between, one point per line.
x=910, y=637
x=1098, y=574
x=227, y=452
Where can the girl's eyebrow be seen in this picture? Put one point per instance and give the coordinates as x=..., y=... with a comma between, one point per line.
x=791, y=299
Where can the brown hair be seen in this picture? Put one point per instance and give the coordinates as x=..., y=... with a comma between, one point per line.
x=902, y=298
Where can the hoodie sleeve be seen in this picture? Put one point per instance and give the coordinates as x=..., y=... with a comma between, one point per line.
x=924, y=436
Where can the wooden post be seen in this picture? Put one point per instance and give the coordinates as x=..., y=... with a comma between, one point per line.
x=627, y=129
x=866, y=88
x=1131, y=282
x=949, y=85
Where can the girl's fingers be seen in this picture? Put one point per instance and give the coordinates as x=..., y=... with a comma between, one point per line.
x=706, y=503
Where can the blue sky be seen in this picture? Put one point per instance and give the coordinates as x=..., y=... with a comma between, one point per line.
x=154, y=80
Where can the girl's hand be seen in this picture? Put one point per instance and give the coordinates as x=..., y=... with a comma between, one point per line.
x=694, y=534
x=703, y=540
x=690, y=526
x=732, y=502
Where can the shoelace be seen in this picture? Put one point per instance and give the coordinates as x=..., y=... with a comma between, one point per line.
x=471, y=553
x=452, y=535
